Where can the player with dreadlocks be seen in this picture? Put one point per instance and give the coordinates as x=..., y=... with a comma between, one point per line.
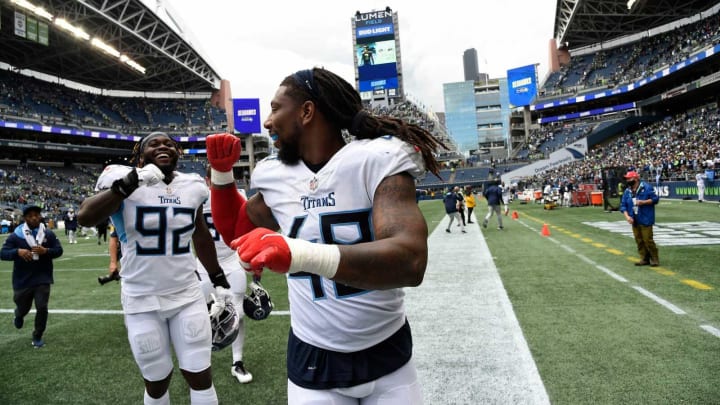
x=350, y=236
x=157, y=213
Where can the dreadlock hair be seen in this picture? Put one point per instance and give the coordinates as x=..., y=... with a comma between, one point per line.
x=340, y=103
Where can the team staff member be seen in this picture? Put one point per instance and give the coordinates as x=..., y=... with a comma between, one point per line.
x=157, y=213
x=32, y=248
x=470, y=203
x=351, y=236
x=453, y=207
x=638, y=205
x=700, y=182
x=493, y=195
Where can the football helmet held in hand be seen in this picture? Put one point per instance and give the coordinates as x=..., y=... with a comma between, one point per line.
x=258, y=304
x=224, y=322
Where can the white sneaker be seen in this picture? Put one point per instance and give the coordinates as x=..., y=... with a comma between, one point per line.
x=238, y=371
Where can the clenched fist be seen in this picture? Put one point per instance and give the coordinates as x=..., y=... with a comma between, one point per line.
x=223, y=150
x=263, y=248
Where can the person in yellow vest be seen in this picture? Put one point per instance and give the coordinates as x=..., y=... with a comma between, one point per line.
x=469, y=203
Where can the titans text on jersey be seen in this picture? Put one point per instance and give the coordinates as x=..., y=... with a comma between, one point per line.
x=309, y=202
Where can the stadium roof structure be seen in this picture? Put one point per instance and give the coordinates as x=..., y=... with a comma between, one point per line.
x=172, y=63
x=580, y=23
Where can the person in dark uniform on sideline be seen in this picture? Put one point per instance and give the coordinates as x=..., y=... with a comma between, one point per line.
x=32, y=247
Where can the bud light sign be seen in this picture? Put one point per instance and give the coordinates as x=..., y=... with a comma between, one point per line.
x=522, y=85
x=247, y=115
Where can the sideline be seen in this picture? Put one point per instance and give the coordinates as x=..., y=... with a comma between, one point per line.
x=659, y=300
x=468, y=345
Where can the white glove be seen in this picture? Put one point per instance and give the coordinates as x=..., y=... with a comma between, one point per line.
x=220, y=298
x=149, y=175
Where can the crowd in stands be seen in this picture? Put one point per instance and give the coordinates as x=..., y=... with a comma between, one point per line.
x=627, y=63
x=34, y=100
x=674, y=149
x=608, y=68
x=544, y=140
x=55, y=189
x=413, y=114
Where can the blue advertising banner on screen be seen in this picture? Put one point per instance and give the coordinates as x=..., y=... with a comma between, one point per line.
x=379, y=84
x=522, y=85
x=247, y=115
x=369, y=72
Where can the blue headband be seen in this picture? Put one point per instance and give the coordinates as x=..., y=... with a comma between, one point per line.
x=304, y=79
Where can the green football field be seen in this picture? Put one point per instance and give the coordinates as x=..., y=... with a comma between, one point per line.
x=601, y=330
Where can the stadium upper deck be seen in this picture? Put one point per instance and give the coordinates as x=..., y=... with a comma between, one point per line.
x=584, y=23
x=605, y=43
x=622, y=69
x=110, y=71
x=172, y=64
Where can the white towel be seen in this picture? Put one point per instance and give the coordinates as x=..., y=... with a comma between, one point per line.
x=34, y=241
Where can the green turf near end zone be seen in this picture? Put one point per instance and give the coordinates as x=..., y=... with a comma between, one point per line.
x=87, y=358
x=597, y=340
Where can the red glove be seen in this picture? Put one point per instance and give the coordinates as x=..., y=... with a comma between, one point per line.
x=223, y=150
x=262, y=248
x=227, y=205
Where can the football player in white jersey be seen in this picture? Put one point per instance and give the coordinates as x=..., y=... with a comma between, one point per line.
x=238, y=283
x=157, y=213
x=351, y=236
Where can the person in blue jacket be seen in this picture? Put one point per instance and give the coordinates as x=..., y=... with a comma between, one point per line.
x=493, y=195
x=32, y=247
x=638, y=205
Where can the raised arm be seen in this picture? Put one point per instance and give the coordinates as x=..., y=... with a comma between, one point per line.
x=98, y=207
x=95, y=209
x=232, y=214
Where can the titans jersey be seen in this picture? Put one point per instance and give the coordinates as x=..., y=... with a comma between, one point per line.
x=155, y=225
x=334, y=206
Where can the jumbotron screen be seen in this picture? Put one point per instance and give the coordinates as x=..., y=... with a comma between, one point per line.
x=376, y=53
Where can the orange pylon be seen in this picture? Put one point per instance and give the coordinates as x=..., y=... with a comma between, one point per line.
x=515, y=215
x=545, y=231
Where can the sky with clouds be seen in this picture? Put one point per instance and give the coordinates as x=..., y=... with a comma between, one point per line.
x=255, y=44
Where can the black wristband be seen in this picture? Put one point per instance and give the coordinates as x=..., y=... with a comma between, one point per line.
x=219, y=280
